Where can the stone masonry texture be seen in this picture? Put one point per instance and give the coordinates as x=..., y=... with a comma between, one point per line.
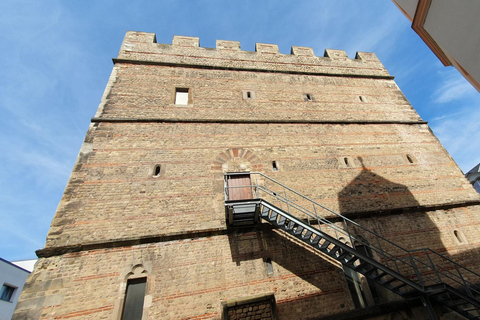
x=340, y=132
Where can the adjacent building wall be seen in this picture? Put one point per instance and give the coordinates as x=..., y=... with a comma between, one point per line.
x=12, y=276
x=450, y=30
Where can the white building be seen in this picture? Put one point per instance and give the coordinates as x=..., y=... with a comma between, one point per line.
x=451, y=30
x=12, y=279
x=474, y=177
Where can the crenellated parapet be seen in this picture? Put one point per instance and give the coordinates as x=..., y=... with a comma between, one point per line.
x=142, y=47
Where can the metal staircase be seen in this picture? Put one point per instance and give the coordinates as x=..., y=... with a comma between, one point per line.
x=420, y=273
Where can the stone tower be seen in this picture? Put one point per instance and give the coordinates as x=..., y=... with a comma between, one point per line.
x=147, y=226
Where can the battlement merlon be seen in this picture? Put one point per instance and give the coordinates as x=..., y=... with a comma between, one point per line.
x=141, y=47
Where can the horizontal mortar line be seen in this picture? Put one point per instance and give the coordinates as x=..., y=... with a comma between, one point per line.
x=253, y=108
x=124, y=82
x=276, y=134
x=401, y=211
x=364, y=155
x=174, y=122
x=257, y=121
x=75, y=314
x=390, y=99
x=97, y=276
x=192, y=196
x=259, y=103
x=124, y=89
x=255, y=61
x=367, y=197
x=155, y=215
x=322, y=134
x=193, y=66
x=286, y=173
x=396, y=180
x=309, y=295
x=203, y=316
x=127, y=78
x=242, y=284
x=450, y=252
x=85, y=248
x=103, y=251
x=141, y=163
x=252, y=147
x=400, y=194
x=145, y=179
x=236, y=93
x=439, y=229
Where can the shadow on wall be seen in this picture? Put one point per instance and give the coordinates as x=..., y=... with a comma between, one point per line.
x=390, y=210
x=370, y=193
x=275, y=262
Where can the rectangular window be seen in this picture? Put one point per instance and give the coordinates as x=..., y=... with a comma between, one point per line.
x=181, y=96
x=7, y=292
x=134, y=297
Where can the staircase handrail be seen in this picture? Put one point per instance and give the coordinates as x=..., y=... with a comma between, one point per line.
x=438, y=271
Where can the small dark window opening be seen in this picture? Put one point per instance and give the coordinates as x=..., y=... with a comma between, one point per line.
x=7, y=292
x=274, y=193
x=409, y=158
x=308, y=97
x=274, y=166
x=346, y=162
x=134, y=298
x=268, y=262
x=361, y=98
x=156, y=171
x=249, y=95
x=458, y=236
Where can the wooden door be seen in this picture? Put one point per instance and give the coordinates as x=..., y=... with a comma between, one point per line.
x=239, y=187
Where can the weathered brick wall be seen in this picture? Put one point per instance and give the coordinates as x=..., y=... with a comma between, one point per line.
x=113, y=189
x=358, y=148
x=255, y=310
x=147, y=92
x=187, y=279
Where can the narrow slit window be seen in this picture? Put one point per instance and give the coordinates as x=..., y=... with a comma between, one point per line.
x=248, y=94
x=274, y=166
x=181, y=96
x=409, y=158
x=308, y=97
x=361, y=98
x=134, y=298
x=269, y=265
x=458, y=236
x=157, y=170
x=346, y=162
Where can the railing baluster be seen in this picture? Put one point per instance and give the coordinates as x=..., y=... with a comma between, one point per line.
x=467, y=288
x=433, y=266
x=256, y=186
x=414, y=266
x=286, y=198
x=381, y=251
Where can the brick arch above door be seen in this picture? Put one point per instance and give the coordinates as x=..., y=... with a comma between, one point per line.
x=237, y=160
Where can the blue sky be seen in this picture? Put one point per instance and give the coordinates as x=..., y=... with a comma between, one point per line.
x=56, y=60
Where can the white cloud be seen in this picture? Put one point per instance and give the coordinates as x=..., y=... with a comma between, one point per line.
x=459, y=133
x=454, y=87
